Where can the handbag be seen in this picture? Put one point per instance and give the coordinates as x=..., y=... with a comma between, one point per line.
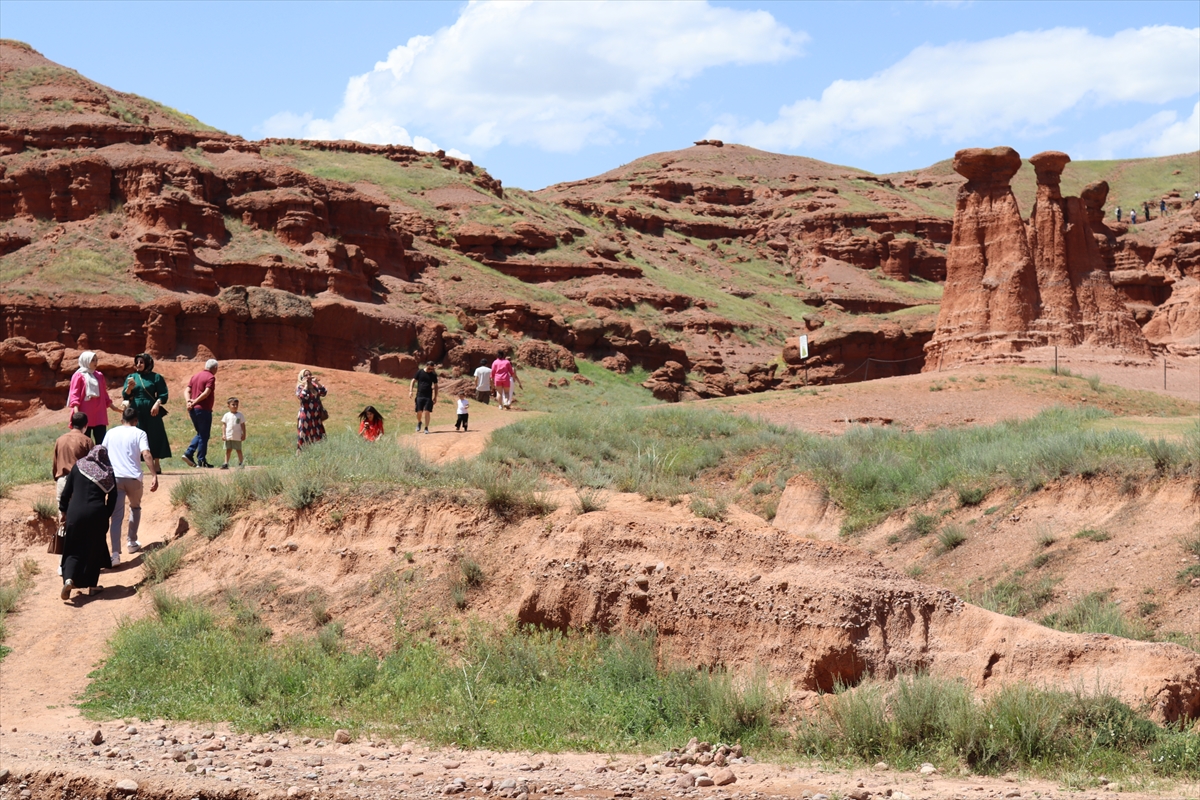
x=56, y=541
x=322, y=414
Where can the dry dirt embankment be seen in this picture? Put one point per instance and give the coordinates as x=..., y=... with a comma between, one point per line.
x=738, y=593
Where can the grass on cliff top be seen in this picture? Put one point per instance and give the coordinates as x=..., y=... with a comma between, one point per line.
x=528, y=689
x=870, y=472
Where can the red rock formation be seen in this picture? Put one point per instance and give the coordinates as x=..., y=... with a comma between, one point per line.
x=39, y=375
x=991, y=295
x=544, y=355
x=1078, y=301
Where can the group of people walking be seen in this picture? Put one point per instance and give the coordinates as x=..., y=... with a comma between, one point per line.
x=98, y=470
x=94, y=483
x=1133, y=213
x=491, y=380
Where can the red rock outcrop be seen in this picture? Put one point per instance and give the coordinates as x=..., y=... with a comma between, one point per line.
x=1078, y=302
x=991, y=296
x=39, y=375
x=544, y=355
x=251, y=322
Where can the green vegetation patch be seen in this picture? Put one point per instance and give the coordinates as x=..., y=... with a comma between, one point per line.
x=10, y=596
x=869, y=471
x=915, y=719
x=509, y=690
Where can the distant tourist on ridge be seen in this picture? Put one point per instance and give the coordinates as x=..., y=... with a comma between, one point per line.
x=310, y=420
x=1162, y=207
x=199, y=395
x=89, y=394
x=146, y=392
x=425, y=382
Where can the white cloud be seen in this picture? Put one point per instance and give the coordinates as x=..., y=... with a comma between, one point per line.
x=556, y=75
x=1179, y=137
x=1159, y=135
x=971, y=91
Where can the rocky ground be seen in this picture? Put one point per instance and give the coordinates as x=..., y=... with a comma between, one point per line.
x=176, y=762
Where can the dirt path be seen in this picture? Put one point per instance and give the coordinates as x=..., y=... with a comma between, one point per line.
x=444, y=444
x=66, y=640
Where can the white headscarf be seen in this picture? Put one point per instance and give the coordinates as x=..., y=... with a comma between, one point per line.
x=87, y=368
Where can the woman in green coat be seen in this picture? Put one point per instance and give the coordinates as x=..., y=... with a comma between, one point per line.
x=146, y=391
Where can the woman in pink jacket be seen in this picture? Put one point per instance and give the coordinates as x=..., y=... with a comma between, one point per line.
x=89, y=395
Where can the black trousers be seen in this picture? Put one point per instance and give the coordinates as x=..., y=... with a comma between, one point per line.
x=461, y=419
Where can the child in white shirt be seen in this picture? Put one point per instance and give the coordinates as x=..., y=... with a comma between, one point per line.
x=463, y=404
x=233, y=432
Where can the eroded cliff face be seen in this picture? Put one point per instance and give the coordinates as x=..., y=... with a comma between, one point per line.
x=1011, y=286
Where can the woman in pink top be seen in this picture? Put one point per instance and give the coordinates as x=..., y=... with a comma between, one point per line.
x=89, y=395
x=503, y=375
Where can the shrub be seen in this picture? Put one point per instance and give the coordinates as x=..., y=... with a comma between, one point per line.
x=588, y=501
x=1163, y=455
x=161, y=563
x=458, y=594
x=950, y=537
x=1093, y=535
x=971, y=496
x=1045, y=537
x=1191, y=542
x=303, y=492
x=46, y=508
x=472, y=573
x=1187, y=574
x=1094, y=382
x=708, y=507
x=920, y=525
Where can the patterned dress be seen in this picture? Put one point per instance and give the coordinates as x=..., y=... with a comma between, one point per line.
x=309, y=427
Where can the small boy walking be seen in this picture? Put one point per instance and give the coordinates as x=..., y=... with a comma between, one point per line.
x=233, y=432
x=462, y=406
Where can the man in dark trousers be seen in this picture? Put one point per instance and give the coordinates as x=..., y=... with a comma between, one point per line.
x=425, y=384
x=199, y=394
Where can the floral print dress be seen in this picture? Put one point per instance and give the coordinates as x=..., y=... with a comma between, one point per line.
x=309, y=427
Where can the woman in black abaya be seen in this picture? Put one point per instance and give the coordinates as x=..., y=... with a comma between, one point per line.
x=87, y=501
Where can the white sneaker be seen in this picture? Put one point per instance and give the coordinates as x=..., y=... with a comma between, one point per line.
x=67, y=586
x=133, y=547
x=60, y=570
x=116, y=559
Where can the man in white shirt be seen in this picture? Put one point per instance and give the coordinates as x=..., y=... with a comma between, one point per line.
x=483, y=382
x=127, y=448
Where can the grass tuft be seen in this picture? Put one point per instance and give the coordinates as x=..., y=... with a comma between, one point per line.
x=588, y=501
x=1096, y=613
x=163, y=562
x=46, y=508
x=950, y=537
x=971, y=495
x=1093, y=535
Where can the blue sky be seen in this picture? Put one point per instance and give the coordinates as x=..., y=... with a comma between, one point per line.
x=542, y=93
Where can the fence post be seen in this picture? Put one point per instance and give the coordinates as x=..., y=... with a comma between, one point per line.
x=1055, y=359
x=1164, y=373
